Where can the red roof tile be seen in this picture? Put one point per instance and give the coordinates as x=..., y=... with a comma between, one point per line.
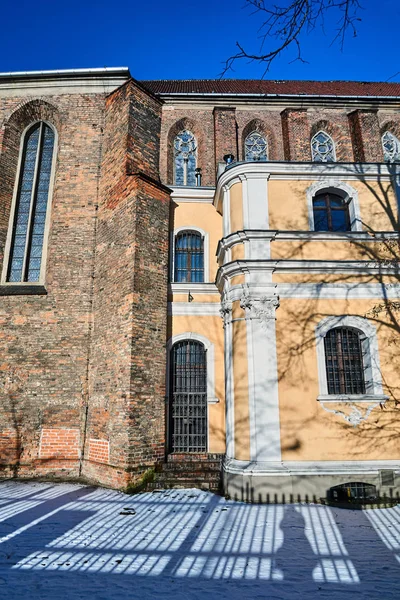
x=281, y=88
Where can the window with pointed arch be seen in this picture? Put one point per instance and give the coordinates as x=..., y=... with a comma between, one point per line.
x=185, y=158
x=255, y=147
x=189, y=257
x=391, y=147
x=322, y=148
x=26, y=238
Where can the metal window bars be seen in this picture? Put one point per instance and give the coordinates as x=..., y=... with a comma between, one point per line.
x=188, y=398
x=344, y=362
x=189, y=257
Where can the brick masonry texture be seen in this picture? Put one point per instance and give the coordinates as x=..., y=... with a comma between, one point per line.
x=82, y=363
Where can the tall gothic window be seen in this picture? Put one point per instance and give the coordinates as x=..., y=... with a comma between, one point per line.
x=26, y=248
x=391, y=147
x=255, y=147
x=331, y=212
x=322, y=148
x=344, y=361
x=185, y=158
x=189, y=257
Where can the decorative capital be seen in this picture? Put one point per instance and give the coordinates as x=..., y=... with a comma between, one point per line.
x=260, y=308
x=226, y=311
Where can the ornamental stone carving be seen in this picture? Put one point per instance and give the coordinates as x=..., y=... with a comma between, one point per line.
x=260, y=308
x=226, y=311
x=351, y=413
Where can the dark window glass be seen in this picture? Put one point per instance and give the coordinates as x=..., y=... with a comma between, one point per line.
x=344, y=362
x=331, y=213
x=188, y=397
x=31, y=207
x=189, y=257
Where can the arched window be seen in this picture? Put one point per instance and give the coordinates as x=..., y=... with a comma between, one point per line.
x=29, y=219
x=344, y=361
x=189, y=257
x=255, y=147
x=391, y=147
x=331, y=212
x=322, y=148
x=185, y=158
x=188, y=397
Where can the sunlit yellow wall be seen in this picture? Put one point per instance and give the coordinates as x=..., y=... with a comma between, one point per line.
x=288, y=204
x=187, y=214
x=240, y=383
x=307, y=431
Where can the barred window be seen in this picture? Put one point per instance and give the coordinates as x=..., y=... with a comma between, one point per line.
x=255, y=147
x=391, y=147
x=344, y=361
x=185, y=158
x=322, y=148
x=188, y=397
x=26, y=248
x=331, y=212
x=189, y=257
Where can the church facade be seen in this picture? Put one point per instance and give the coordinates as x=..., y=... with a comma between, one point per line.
x=201, y=268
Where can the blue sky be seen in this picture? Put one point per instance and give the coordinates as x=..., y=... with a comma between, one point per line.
x=185, y=40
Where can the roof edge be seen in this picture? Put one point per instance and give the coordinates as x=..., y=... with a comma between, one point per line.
x=67, y=73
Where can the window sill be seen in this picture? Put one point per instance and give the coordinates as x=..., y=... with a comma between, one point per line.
x=381, y=398
x=22, y=289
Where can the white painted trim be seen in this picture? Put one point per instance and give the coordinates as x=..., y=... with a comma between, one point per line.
x=7, y=248
x=343, y=189
x=209, y=346
x=369, y=342
x=198, y=288
x=289, y=468
x=201, y=309
x=302, y=171
x=206, y=251
x=182, y=194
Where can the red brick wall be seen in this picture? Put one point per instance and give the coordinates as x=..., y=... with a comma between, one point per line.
x=59, y=443
x=225, y=134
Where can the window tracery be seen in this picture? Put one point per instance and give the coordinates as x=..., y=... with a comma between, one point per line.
x=255, y=147
x=185, y=158
x=322, y=148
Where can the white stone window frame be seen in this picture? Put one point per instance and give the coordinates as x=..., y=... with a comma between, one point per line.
x=346, y=191
x=7, y=248
x=206, y=255
x=370, y=352
x=333, y=147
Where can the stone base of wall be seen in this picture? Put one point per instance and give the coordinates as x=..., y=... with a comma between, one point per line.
x=303, y=482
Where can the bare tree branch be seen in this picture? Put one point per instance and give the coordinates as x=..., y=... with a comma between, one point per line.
x=284, y=24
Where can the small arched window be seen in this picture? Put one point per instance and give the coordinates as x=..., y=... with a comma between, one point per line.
x=322, y=148
x=255, y=147
x=185, y=158
x=189, y=257
x=344, y=361
x=331, y=212
x=29, y=221
x=391, y=147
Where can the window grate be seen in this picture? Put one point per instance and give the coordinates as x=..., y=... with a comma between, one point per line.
x=189, y=257
x=188, y=398
x=344, y=362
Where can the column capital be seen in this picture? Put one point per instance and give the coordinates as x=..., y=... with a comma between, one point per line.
x=262, y=308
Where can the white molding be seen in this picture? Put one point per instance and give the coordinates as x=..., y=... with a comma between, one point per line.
x=302, y=171
x=289, y=468
x=369, y=342
x=194, y=288
x=7, y=248
x=348, y=193
x=206, y=251
x=210, y=354
x=204, y=195
x=201, y=309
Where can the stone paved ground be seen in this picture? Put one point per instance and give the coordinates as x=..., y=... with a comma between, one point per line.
x=69, y=541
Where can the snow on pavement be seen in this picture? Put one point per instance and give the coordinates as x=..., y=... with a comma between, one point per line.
x=70, y=541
